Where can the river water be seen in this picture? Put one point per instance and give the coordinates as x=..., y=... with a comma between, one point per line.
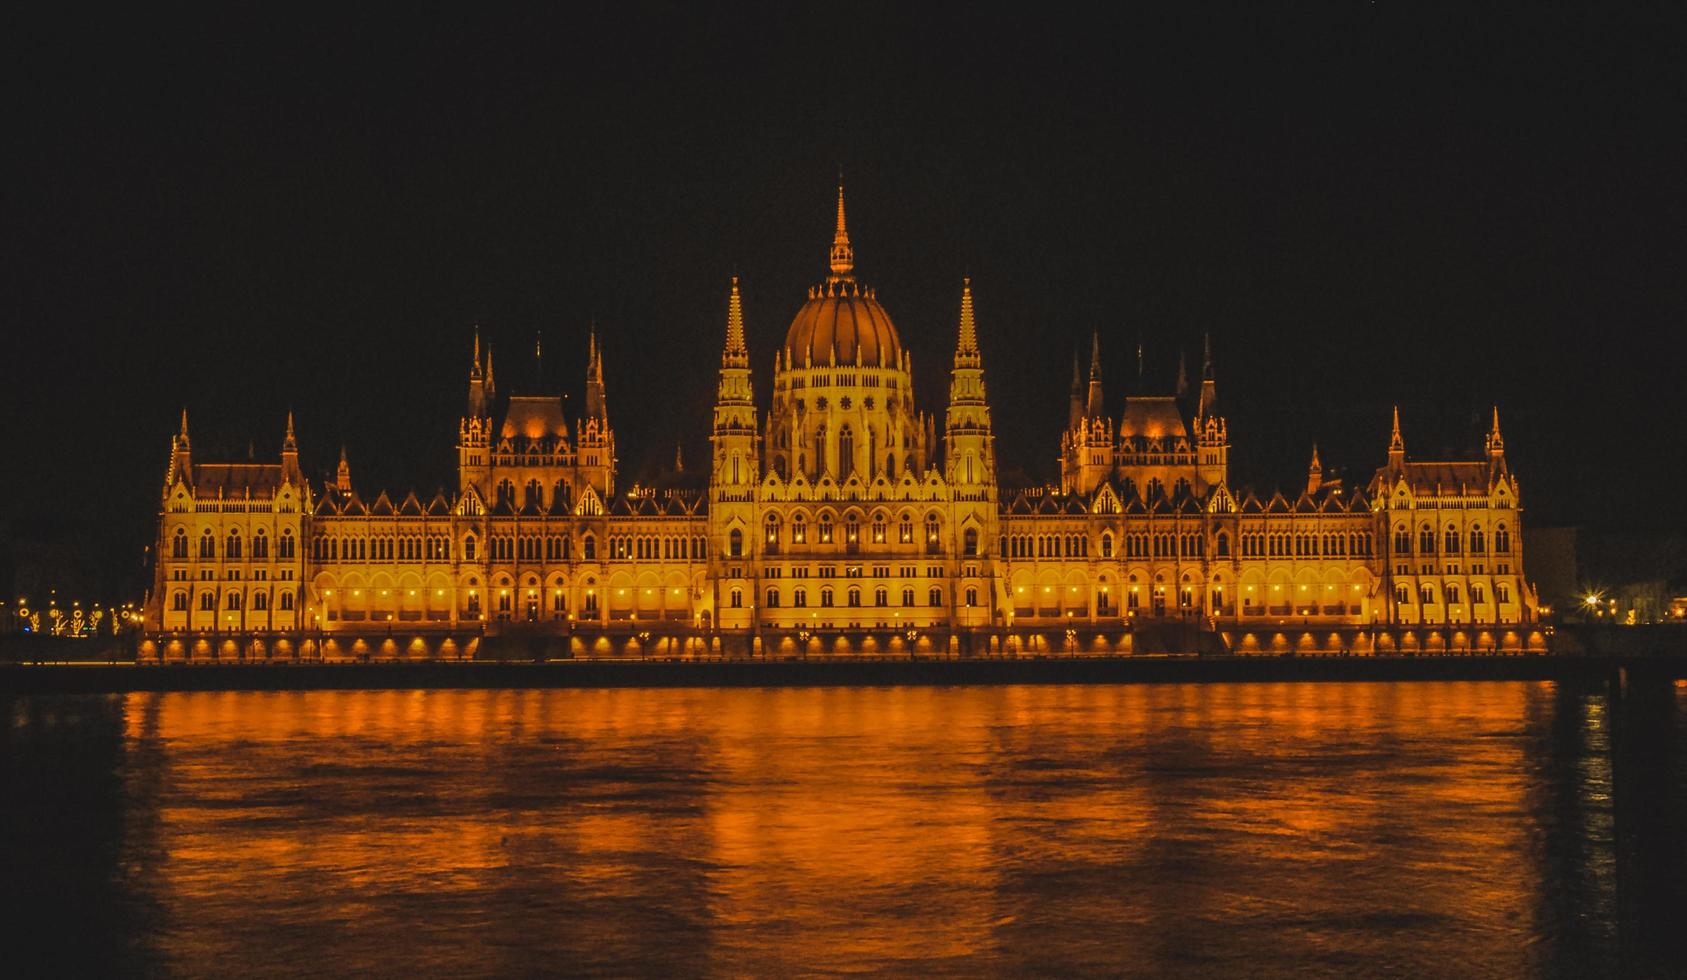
x=1407, y=829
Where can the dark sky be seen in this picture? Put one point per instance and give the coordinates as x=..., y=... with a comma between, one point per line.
x=248, y=211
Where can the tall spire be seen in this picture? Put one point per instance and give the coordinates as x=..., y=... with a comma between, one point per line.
x=595, y=407
x=1496, y=442
x=474, y=368
x=1396, y=444
x=1207, y=405
x=1076, y=411
x=289, y=443
x=1206, y=356
x=735, y=346
x=842, y=256
x=1096, y=407
x=1314, y=473
x=968, y=342
x=1182, y=375
x=342, y=476
x=183, y=434
x=489, y=383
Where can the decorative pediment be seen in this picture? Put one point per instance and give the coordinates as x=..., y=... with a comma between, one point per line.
x=590, y=504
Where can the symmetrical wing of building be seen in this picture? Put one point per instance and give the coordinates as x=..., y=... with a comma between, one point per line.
x=839, y=509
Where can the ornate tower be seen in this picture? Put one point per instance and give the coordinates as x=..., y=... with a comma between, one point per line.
x=734, y=473
x=969, y=451
x=474, y=430
x=1212, y=434
x=596, y=447
x=1087, y=456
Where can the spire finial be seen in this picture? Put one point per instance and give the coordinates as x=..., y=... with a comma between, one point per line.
x=475, y=368
x=1316, y=466
x=842, y=256
x=1395, y=443
x=184, y=423
x=968, y=343
x=289, y=444
x=1182, y=375
x=1496, y=442
x=679, y=458
x=489, y=384
x=1095, y=355
x=735, y=322
x=1206, y=356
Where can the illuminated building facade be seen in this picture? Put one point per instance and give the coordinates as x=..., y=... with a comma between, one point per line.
x=845, y=518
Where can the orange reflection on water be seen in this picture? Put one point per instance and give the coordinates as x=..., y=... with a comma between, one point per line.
x=1153, y=828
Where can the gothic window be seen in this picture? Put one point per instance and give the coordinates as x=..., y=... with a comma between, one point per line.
x=969, y=542
x=468, y=548
x=1402, y=540
x=588, y=548
x=1478, y=542
x=846, y=452
x=535, y=496
x=736, y=598
x=233, y=601
x=260, y=602
x=1478, y=594
x=799, y=530
x=878, y=528
x=735, y=544
x=591, y=602
x=1426, y=540
x=233, y=549
x=825, y=528
x=800, y=598
x=854, y=596
x=932, y=527
x=474, y=605
x=881, y=596
x=178, y=545
x=1452, y=540
x=826, y=597
x=208, y=602
x=207, y=545
x=1452, y=594
x=905, y=532
x=506, y=493
x=1402, y=595
x=1502, y=540
x=1502, y=592
x=178, y=602
x=1221, y=545
x=772, y=599
x=286, y=601
x=1427, y=594
x=907, y=597
x=972, y=595
x=935, y=596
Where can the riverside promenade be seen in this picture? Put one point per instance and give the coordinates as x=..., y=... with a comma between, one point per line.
x=90, y=678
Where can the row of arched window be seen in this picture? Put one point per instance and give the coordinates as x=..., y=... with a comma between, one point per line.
x=233, y=601
x=1046, y=545
x=234, y=546
x=1450, y=592
x=410, y=547
x=825, y=531
x=657, y=548
x=1305, y=544
x=1452, y=541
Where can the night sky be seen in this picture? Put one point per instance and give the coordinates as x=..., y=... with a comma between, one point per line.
x=246, y=212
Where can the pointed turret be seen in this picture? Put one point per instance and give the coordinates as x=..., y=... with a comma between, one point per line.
x=1095, y=408
x=1075, y=410
x=491, y=386
x=1396, y=444
x=595, y=406
x=181, y=457
x=967, y=344
x=183, y=434
x=1208, y=403
x=477, y=399
x=290, y=454
x=1496, y=442
x=289, y=443
x=342, y=475
x=1314, y=473
x=736, y=353
x=842, y=255
x=1182, y=376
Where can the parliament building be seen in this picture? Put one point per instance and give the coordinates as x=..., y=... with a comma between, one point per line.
x=839, y=518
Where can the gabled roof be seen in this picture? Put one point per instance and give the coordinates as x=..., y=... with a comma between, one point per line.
x=236, y=479
x=439, y=506
x=411, y=507
x=382, y=507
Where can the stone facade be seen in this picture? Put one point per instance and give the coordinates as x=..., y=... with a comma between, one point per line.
x=845, y=512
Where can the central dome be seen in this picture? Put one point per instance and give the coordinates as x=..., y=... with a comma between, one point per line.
x=844, y=322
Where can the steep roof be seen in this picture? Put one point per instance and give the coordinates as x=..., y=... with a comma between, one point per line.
x=1153, y=416
x=236, y=479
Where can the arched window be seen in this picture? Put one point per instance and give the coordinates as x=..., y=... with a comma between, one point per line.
x=1107, y=544
x=1452, y=538
x=969, y=542
x=846, y=453
x=772, y=535
x=826, y=597
x=1502, y=540
x=468, y=548
x=854, y=597
x=233, y=601
x=935, y=596
x=1478, y=541
x=825, y=526
x=178, y=601
x=800, y=598
x=506, y=493
x=286, y=601
x=207, y=601
x=972, y=595
x=933, y=543
x=908, y=597
x=207, y=545
x=772, y=599
x=881, y=596
x=1402, y=540
x=852, y=530
x=736, y=598
x=588, y=548
x=178, y=545
x=1426, y=540
x=905, y=533
x=878, y=529
x=260, y=601
x=799, y=529
x=735, y=544
x=1221, y=545
x=233, y=549
x=535, y=495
